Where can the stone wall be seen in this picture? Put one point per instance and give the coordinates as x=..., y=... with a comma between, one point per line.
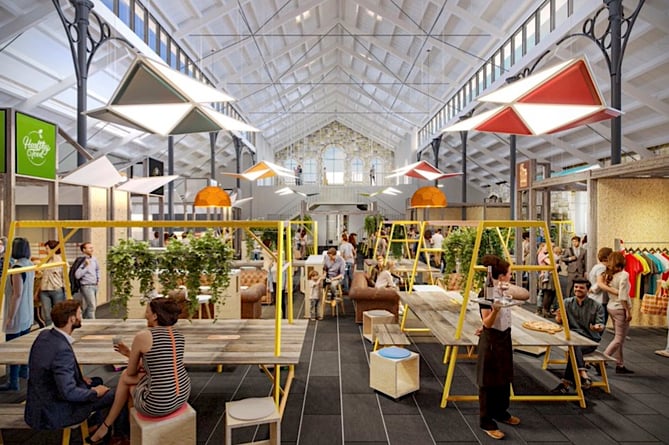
x=353, y=143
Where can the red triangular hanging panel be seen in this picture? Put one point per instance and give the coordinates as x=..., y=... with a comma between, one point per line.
x=506, y=121
x=601, y=115
x=572, y=86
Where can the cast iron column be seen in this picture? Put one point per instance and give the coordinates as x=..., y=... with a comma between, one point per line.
x=212, y=149
x=170, y=171
x=238, y=154
x=615, y=22
x=463, y=140
x=512, y=176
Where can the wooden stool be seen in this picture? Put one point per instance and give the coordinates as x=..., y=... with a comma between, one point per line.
x=67, y=432
x=253, y=412
x=335, y=304
x=394, y=371
x=373, y=317
x=178, y=428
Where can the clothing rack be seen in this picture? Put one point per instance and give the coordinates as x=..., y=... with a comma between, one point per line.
x=618, y=243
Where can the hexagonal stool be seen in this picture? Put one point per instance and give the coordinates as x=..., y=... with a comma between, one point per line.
x=178, y=428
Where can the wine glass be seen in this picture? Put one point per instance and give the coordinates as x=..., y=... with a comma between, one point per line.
x=504, y=287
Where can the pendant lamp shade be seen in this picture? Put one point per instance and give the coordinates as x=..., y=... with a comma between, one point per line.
x=428, y=197
x=212, y=196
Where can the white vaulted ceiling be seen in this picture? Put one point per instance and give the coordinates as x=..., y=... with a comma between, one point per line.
x=381, y=67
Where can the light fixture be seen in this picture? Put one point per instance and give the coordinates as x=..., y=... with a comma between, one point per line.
x=99, y=172
x=154, y=98
x=555, y=99
x=428, y=197
x=212, y=196
x=144, y=186
x=422, y=170
x=262, y=170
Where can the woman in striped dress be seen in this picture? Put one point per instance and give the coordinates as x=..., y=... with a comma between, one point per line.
x=155, y=377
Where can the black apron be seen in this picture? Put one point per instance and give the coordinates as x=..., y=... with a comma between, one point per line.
x=495, y=358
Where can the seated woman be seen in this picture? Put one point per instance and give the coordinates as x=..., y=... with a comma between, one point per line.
x=385, y=279
x=155, y=377
x=380, y=266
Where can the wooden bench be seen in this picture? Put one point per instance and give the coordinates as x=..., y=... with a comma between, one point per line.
x=11, y=418
x=596, y=358
x=389, y=334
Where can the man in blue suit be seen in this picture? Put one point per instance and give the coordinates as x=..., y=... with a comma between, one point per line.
x=58, y=393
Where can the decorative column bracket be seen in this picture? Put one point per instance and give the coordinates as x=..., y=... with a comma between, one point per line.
x=83, y=46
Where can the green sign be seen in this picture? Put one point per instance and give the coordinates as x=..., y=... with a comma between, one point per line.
x=35, y=147
x=3, y=140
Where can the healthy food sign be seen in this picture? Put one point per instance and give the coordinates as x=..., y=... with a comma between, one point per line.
x=35, y=147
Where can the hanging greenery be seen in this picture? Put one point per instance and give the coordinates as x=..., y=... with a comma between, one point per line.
x=129, y=260
x=459, y=249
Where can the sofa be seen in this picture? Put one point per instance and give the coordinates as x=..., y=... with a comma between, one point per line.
x=249, y=276
x=367, y=298
x=251, y=297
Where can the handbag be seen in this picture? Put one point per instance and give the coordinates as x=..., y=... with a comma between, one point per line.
x=655, y=304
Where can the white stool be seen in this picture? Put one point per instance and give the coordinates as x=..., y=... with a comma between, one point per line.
x=394, y=371
x=253, y=412
x=373, y=317
x=203, y=300
x=178, y=428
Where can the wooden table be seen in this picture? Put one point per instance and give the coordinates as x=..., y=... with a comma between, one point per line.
x=224, y=342
x=440, y=311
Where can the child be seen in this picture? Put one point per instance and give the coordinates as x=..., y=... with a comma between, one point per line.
x=315, y=280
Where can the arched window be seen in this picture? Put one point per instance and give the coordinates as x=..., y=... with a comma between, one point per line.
x=290, y=164
x=310, y=171
x=333, y=161
x=379, y=172
x=356, y=170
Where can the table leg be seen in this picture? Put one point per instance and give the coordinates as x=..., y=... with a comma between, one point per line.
x=577, y=377
x=449, y=376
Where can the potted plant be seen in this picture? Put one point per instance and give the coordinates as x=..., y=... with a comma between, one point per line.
x=208, y=263
x=129, y=260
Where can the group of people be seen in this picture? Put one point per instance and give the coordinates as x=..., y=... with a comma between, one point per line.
x=607, y=290
x=19, y=302
x=59, y=394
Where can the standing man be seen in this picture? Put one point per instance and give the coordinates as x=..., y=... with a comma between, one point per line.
x=88, y=274
x=372, y=176
x=298, y=174
x=585, y=317
x=348, y=254
x=574, y=258
x=58, y=393
x=438, y=243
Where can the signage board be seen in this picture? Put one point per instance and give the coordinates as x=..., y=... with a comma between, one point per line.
x=525, y=172
x=35, y=147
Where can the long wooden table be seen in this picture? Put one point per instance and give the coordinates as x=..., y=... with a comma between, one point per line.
x=223, y=342
x=440, y=311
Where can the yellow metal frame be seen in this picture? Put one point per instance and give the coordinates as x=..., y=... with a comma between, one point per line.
x=66, y=229
x=552, y=269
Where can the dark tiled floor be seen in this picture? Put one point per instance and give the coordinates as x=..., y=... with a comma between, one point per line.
x=331, y=402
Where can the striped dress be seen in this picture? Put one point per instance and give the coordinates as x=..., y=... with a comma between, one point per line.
x=166, y=385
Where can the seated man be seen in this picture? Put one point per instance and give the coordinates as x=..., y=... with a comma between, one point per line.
x=58, y=393
x=586, y=317
x=334, y=268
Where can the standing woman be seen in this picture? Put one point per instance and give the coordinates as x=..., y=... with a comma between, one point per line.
x=51, y=286
x=616, y=282
x=19, y=307
x=494, y=369
x=156, y=377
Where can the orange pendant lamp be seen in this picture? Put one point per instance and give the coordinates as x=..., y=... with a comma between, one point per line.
x=428, y=197
x=212, y=196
